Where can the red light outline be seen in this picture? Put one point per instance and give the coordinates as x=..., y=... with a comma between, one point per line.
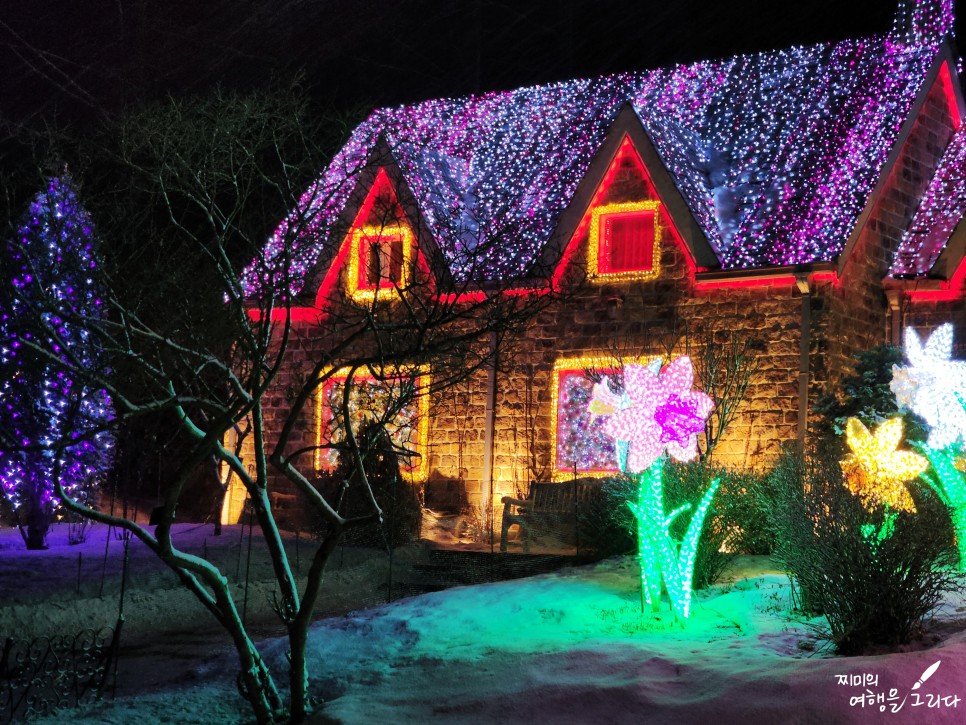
x=779, y=280
x=332, y=274
x=949, y=290
x=627, y=149
x=946, y=79
x=295, y=314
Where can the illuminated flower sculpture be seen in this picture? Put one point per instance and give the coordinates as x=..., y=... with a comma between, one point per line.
x=949, y=483
x=659, y=413
x=934, y=387
x=877, y=472
x=664, y=414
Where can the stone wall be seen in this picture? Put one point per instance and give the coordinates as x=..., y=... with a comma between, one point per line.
x=642, y=318
x=925, y=314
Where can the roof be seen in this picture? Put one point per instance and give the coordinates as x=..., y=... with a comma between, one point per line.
x=940, y=211
x=775, y=153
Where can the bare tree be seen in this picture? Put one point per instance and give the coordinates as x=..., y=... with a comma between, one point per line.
x=726, y=362
x=192, y=185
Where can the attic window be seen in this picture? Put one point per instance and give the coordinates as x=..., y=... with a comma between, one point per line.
x=625, y=241
x=380, y=260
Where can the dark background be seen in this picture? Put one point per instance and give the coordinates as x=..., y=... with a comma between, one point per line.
x=73, y=58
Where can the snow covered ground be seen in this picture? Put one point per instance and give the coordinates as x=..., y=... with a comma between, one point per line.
x=568, y=647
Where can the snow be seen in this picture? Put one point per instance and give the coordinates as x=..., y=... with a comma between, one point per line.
x=567, y=647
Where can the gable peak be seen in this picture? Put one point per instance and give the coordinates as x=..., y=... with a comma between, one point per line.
x=922, y=22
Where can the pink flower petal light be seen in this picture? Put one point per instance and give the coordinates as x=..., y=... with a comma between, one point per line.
x=665, y=414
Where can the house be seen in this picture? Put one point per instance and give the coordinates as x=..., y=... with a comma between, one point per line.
x=809, y=197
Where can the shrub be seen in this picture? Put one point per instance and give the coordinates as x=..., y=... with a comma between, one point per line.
x=685, y=483
x=607, y=525
x=874, y=589
x=399, y=499
x=867, y=395
x=739, y=499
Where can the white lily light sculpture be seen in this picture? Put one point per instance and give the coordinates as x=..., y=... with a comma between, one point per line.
x=934, y=387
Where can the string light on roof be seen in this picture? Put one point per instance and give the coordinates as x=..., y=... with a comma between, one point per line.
x=775, y=153
x=916, y=21
x=941, y=208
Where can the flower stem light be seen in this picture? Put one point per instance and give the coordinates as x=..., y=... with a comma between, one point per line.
x=949, y=484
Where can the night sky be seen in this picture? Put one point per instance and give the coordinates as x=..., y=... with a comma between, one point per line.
x=77, y=59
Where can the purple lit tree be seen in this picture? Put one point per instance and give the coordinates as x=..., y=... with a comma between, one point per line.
x=52, y=425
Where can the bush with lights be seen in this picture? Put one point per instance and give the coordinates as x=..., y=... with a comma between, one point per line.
x=735, y=523
x=866, y=557
x=867, y=394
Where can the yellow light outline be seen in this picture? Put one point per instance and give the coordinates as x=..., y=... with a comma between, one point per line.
x=579, y=364
x=378, y=231
x=594, y=241
x=420, y=473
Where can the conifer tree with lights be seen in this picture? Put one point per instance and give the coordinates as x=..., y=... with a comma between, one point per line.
x=51, y=426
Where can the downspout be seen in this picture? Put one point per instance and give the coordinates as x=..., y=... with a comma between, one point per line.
x=804, y=359
x=894, y=316
x=489, y=427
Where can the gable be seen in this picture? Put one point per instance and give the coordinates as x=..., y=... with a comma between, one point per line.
x=620, y=185
x=943, y=204
x=378, y=254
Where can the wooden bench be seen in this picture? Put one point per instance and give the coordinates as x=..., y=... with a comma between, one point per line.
x=549, y=506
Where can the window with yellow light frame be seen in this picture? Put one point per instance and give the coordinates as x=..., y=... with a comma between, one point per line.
x=369, y=399
x=625, y=241
x=580, y=446
x=380, y=261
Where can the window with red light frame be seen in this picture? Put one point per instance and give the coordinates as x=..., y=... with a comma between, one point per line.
x=580, y=445
x=381, y=261
x=368, y=399
x=626, y=242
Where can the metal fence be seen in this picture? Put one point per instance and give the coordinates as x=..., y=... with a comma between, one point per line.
x=42, y=675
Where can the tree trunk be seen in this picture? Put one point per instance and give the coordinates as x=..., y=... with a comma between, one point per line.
x=38, y=523
x=298, y=673
x=255, y=682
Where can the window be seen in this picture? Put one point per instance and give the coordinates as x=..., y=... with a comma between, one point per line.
x=380, y=261
x=580, y=445
x=370, y=398
x=625, y=241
